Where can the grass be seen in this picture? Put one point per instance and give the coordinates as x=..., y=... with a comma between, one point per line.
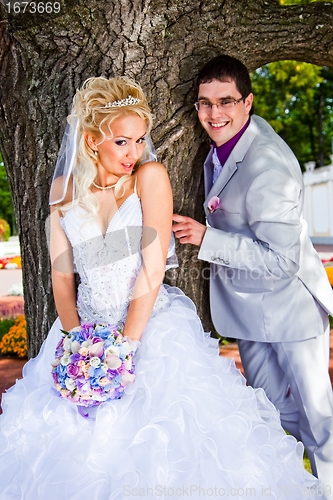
x=306, y=462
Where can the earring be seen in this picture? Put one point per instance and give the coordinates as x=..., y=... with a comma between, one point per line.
x=95, y=152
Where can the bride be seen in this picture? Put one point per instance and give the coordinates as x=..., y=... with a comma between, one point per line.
x=188, y=426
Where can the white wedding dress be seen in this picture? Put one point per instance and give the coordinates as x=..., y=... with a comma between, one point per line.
x=189, y=426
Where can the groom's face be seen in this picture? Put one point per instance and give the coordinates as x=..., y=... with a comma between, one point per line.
x=222, y=111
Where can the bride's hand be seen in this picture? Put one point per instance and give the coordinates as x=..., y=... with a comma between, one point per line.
x=134, y=344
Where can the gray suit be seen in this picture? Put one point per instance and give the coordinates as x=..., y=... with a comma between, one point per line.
x=268, y=287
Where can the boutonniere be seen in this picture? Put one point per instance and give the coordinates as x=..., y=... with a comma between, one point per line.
x=213, y=204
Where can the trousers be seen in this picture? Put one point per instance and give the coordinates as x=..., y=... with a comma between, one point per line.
x=295, y=378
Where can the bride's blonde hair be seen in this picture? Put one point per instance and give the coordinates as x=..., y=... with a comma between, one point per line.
x=96, y=105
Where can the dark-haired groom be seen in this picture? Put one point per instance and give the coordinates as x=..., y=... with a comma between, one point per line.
x=268, y=287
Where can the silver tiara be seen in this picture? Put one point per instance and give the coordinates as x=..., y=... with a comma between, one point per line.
x=123, y=102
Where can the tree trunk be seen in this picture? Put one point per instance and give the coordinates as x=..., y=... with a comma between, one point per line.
x=44, y=57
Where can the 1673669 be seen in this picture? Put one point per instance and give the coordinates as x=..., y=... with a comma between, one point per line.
x=33, y=7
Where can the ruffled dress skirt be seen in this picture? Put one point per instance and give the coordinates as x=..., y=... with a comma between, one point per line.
x=188, y=427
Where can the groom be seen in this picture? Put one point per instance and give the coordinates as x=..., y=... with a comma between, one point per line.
x=268, y=287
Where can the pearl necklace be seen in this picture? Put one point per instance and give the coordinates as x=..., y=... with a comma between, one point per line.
x=103, y=187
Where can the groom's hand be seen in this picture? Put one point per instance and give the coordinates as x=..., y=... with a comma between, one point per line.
x=188, y=230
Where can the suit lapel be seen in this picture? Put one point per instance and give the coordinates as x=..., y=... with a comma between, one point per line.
x=208, y=172
x=230, y=166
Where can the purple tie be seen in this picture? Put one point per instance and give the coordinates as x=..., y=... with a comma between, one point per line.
x=217, y=166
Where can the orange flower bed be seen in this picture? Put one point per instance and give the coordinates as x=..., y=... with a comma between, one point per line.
x=15, y=340
x=328, y=265
x=4, y=230
x=329, y=272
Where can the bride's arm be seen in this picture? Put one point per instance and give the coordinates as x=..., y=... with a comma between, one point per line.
x=63, y=282
x=154, y=190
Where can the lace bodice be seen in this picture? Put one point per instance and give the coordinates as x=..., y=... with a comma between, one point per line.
x=108, y=265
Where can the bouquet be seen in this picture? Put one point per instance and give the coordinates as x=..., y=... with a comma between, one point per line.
x=93, y=363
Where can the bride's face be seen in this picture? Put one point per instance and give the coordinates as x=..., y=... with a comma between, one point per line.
x=118, y=154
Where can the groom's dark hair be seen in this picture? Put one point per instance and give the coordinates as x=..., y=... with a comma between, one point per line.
x=226, y=68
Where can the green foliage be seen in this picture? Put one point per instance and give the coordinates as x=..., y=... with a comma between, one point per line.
x=296, y=98
x=6, y=205
x=5, y=326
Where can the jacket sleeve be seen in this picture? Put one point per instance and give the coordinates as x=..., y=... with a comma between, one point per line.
x=273, y=212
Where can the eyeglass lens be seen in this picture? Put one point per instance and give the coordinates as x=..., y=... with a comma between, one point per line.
x=204, y=104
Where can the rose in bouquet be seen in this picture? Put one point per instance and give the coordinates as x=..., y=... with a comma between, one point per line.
x=93, y=363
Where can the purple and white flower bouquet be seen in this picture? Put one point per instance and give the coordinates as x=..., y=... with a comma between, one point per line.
x=93, y=363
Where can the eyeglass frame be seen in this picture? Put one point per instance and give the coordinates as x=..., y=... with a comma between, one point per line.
x=219, y=104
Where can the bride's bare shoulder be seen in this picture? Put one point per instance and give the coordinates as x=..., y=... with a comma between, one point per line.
x=152, y=180
x=150, y=171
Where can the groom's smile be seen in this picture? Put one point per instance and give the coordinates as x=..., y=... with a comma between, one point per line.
x=218, y=125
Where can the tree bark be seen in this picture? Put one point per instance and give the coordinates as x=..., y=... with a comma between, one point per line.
x=44, y=58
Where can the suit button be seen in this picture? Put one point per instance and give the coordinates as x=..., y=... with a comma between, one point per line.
x=220, y=260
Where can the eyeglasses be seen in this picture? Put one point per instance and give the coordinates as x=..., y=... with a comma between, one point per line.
x=224, y=104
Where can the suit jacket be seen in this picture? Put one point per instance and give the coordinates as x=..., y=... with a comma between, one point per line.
x=267, y=281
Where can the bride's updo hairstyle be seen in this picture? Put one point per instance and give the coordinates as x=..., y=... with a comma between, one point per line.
x=96, y=106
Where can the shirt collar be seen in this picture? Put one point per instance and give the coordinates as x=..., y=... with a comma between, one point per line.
x=225, y=149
